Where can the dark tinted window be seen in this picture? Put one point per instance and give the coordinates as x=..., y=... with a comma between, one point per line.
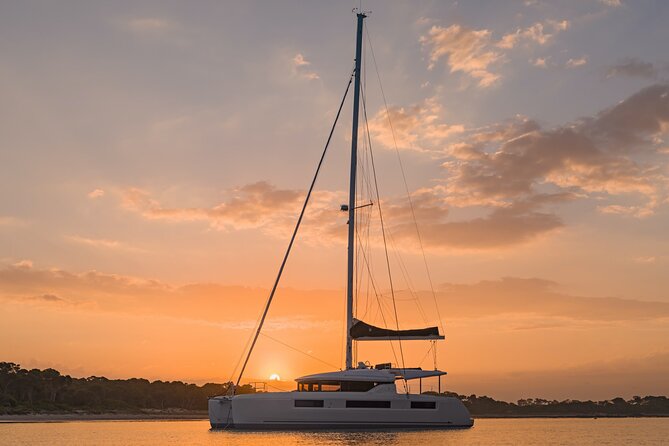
x=377, y=404
x=423, y=405
x=357, y=386
x=308, y=403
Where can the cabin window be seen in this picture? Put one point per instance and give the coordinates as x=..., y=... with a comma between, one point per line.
x=308, y=387
x=308, y=403
x=423, y=405
x=330, y=387
x=374, y=404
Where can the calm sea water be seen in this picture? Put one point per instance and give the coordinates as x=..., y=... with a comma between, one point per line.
x=628, y=431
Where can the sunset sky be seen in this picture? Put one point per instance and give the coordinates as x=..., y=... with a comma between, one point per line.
x=154, y=157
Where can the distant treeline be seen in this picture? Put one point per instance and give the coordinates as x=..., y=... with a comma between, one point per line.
x=484, y=406
x=26, y=391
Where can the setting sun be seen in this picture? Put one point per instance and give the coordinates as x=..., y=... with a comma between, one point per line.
x=274, y=377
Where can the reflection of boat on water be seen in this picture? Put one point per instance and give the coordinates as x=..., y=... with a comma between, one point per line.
x=357, y=397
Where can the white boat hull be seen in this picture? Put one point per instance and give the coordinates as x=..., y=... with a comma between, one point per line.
x=278, y=411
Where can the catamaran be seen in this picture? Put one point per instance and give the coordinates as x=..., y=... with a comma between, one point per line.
x=360, y=396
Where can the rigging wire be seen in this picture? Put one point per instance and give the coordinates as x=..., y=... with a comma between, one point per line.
x=297, y=227
x=406, y=187
x=383, y=232
x=407, y=279
x=300, y=351
x=380, y=303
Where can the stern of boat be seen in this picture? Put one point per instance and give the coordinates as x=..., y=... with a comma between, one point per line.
x=220, y=412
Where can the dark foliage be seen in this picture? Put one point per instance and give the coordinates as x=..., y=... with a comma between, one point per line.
x=537, y=407
x=25, y=391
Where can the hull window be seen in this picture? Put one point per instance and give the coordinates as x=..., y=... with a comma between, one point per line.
x=374, y=404
x=308, y=403
x=423, y=405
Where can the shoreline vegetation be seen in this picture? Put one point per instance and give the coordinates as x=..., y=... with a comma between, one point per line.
x=46, y=396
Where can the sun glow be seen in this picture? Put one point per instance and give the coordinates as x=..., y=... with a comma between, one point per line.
x=274, y=377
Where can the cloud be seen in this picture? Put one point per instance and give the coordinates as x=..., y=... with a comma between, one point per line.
x=98, y=292
x=573, y=63
x=513, y=172
x=50, y=299
x=633, y=211
x=475, y=52
x=512, y=295
x=101, y=243
x=632, y=67
x=101, y=292
x=24, y=278
x=645, y=259
x=258, y=205
x=249, y=206
x=96, y=193
x=417, y=127
x=627, y=376
x=631, y=125
x=515, y=224
x=301, y=68
x=273, y=211
x=23, y=264
x=613, y=3
x=467, y=50
x=299, y=61
x=605, y=154
x=536, y=33
x=539, y=62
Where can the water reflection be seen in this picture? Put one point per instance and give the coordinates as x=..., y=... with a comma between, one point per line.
x=589, y=432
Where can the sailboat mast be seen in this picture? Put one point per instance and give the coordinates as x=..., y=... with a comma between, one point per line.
x=351, y=196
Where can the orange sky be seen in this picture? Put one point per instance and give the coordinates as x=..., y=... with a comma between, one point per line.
x=154, y=159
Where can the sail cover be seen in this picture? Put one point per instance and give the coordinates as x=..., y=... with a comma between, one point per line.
x=361, y=331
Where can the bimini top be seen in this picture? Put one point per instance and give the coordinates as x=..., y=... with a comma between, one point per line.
x=362, y=331
x=365, y=374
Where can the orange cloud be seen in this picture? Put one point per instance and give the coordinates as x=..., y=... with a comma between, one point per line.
x=249, y=206
x=258, y=205
x=101, y=243
x=96, y=193
x=300, y=67
x=235, y=307
x=475, y=52
x=573, y=63
x=416, y=127
x=535, y=33
x=467, y=50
